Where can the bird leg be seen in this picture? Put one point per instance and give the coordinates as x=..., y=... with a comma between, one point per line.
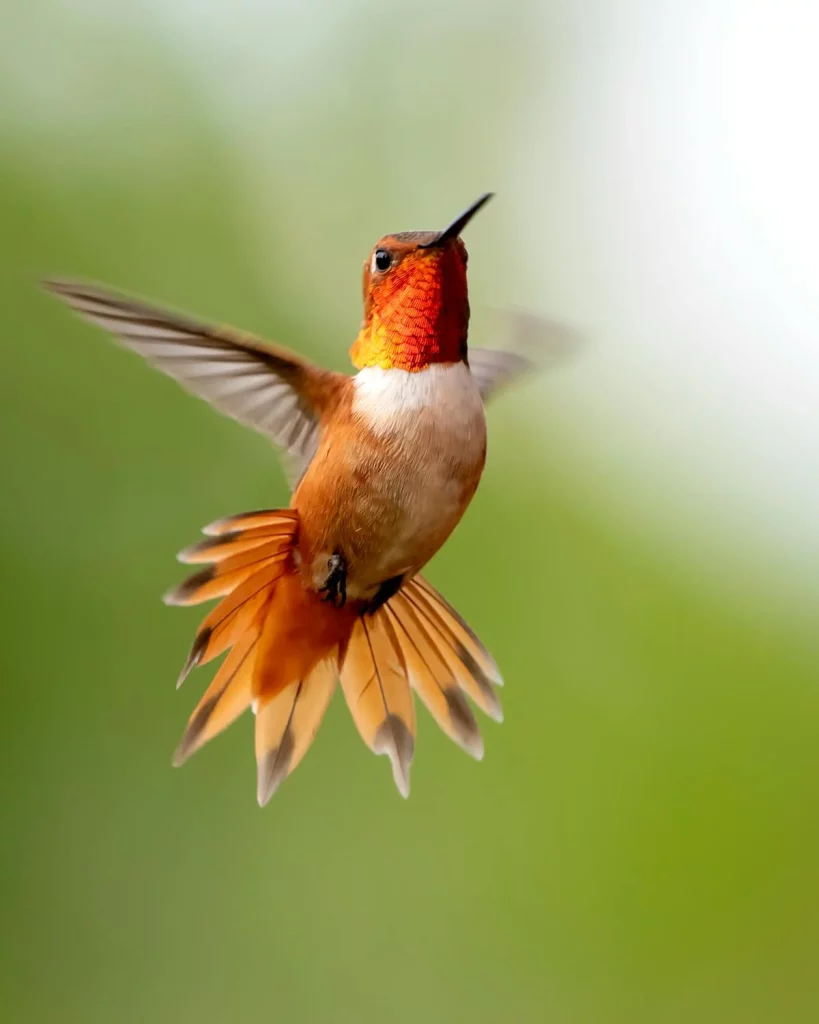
x=335, y=586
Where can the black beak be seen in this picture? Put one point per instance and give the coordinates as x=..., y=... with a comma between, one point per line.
x=457, y=226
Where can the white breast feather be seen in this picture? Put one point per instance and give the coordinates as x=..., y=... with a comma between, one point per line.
x=389, y=399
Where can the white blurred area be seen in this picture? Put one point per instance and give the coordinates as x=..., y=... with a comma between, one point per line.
x=687, y=201
x=656, y=168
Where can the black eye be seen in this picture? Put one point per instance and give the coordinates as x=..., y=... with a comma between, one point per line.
x=382, y=260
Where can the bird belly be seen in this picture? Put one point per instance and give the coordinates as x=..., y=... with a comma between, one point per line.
x=385, y=490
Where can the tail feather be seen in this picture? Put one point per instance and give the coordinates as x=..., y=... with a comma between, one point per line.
x=251, y=520
x=228, y=696
x=444, y=657
x=435, y=683
x=460, y=631
x=285, y=645
x=282, y=639
x=287, y=724
x=235, y=542
x=225, y=576
x=300, y=630
x=231, y=617
x=375, y=684
x=472, y=665
x=238, y=613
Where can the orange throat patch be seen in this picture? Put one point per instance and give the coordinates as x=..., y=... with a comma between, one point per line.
x=417, y=316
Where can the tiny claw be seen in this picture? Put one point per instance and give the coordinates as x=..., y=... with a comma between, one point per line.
x=335, y=585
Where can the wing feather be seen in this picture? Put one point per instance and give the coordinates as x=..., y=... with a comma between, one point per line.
x=260, y=385
x=532, y=343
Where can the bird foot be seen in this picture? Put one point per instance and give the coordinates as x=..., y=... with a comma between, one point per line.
x=335, y=586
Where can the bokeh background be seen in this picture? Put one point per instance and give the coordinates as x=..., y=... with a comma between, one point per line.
x=641, y=840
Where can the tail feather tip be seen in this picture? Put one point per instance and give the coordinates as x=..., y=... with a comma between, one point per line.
x=273, y=769
x=464, y=727
x=180, y=756
x=395, y=740
x=183, y=750
x=474, y=747
x=195, y=656
x=183, y=593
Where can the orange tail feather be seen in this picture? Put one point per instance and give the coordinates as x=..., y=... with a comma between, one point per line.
x=283, y=639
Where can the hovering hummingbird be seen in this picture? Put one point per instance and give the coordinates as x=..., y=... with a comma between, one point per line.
x=386, y=463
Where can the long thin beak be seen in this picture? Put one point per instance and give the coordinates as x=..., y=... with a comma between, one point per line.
x=457, y=226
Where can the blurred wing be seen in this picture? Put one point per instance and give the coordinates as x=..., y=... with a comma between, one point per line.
x=533, y=343
x=260, y=385
x=493, y=369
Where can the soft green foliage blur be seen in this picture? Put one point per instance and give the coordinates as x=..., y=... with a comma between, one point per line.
x=640, y=842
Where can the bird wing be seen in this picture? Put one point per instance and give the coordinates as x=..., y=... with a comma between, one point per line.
x=258, y=384
x=533, y=343
x=493, y=369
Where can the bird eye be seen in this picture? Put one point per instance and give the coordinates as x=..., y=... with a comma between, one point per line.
x=382, y=260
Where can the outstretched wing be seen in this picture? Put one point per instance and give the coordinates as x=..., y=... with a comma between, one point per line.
x=258, y=384
x=533, y=343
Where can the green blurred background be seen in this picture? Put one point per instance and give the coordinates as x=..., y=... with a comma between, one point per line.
x=640, y=842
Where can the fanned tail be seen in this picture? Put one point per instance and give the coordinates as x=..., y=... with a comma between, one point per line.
x=282, y=639
x=287, y=647
x=417, y=641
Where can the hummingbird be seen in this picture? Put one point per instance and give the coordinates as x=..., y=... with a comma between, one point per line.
x=384, y=464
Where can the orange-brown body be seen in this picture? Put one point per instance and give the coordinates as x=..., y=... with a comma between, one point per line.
x=388, y=494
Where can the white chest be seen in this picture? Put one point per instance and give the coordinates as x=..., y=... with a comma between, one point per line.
x=442, y=400
x=410, y=483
